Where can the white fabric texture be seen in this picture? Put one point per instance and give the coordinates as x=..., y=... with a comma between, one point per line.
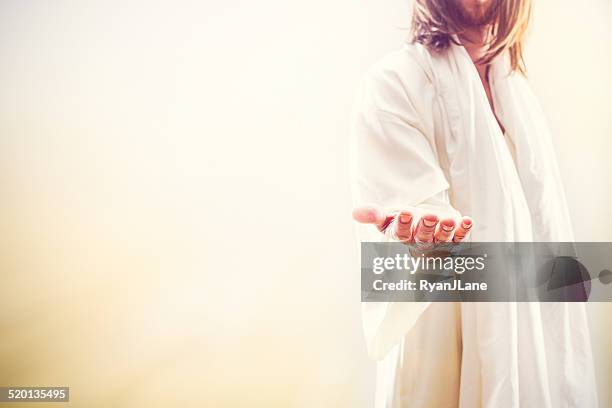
x=425, y=138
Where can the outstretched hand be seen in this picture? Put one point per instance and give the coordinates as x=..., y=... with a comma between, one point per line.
x=428, y=229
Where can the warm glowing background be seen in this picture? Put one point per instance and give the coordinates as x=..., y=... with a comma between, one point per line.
x=174, y=206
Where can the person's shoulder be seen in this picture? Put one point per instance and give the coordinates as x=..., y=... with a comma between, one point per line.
x=401, y=82
x=411, y=64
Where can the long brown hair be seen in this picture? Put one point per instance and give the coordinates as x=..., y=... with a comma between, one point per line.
x=434, y=22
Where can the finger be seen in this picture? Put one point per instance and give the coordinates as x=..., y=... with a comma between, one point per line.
x=463, y=230
x=403, y=226
x=425, y=228
x=444, y=233
x=372, y=214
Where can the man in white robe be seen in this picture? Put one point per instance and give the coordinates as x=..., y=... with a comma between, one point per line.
x=449, y=141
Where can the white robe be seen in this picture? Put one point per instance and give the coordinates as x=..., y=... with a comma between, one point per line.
x=424, y=137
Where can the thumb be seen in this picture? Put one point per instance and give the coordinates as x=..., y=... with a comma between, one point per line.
x=371, y=214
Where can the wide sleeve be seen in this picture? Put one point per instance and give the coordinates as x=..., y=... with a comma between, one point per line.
x=395, y=165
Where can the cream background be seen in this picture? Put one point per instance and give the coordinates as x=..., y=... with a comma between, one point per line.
x=175, y=209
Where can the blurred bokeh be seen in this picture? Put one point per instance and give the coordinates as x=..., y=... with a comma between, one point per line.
x=175, y=205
